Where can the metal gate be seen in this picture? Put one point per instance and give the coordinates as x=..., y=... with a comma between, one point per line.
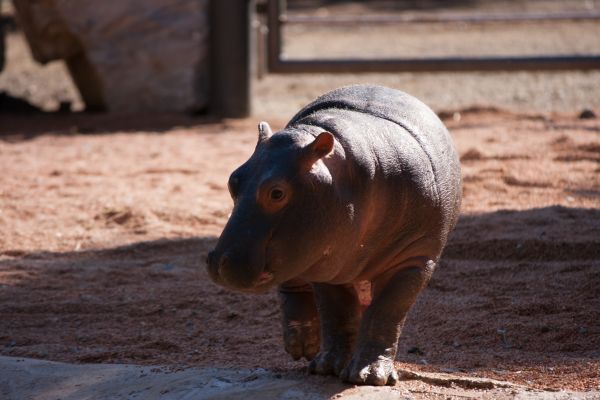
x=276, y=17
x=234, y=27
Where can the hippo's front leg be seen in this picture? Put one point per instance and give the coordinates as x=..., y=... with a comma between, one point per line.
x=373, y=359
x=339, y=310
x=300, y=319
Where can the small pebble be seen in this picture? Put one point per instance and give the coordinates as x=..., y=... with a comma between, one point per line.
x=168, y=267
x=415, y=350
x=587, y=114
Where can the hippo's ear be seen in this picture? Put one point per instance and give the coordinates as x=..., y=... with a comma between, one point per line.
x=319, y=148
x=264, y=131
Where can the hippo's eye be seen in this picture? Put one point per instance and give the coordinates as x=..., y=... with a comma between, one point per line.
x=274, y=195
x=277, y=194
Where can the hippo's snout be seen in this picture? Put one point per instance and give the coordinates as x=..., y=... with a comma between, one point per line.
x=217, y=264
x=214, y=262
x=236, y=273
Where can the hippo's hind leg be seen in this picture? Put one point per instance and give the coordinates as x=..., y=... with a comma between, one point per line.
x=340, y=313
x=300, y=319
x=373, y=359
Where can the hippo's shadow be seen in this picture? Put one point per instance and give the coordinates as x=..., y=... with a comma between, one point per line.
x=514, y=289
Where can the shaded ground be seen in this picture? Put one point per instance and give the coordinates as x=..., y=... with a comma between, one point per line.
x=104, y=237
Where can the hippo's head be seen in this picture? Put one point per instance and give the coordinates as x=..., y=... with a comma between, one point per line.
x=279, y=225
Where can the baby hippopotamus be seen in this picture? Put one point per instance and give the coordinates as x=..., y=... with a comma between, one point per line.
x=363, y=184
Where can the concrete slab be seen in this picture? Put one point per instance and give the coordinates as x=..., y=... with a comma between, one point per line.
x=22, y=378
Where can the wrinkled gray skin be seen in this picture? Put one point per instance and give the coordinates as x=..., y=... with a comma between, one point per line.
x=315, y=213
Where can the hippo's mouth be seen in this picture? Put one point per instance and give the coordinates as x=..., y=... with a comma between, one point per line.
x=264, y=278
x=263, y=284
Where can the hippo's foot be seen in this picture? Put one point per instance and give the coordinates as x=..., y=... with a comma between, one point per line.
x=301, y=330
x=301, y=338
x=330, y=362
x=366, y=371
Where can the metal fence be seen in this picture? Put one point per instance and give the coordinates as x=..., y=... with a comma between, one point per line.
x=277, y=17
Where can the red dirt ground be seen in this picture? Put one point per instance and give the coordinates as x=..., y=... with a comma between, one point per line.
x=103, y=240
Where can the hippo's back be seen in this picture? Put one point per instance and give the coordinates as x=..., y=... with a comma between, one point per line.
x=383, y=102
x=413, y=117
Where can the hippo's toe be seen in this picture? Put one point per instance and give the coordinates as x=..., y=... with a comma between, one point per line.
x=329, y=362
x=378, y=373
x=301, y=339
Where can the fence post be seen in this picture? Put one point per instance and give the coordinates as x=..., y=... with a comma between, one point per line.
x=231, y=57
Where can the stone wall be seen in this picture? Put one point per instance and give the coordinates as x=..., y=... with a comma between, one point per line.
x=125, y=55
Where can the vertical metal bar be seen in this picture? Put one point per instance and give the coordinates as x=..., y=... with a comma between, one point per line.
x=1, y=40
x=2, y=46
x=274, y=34
x=261, y=50
x=231, y=57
